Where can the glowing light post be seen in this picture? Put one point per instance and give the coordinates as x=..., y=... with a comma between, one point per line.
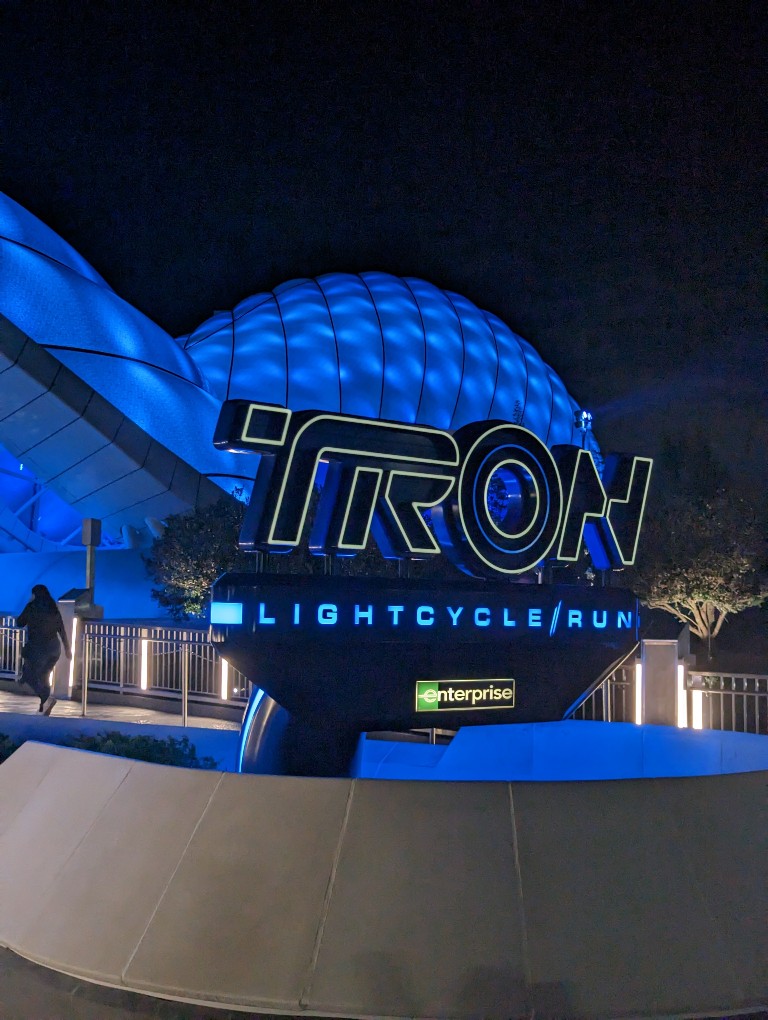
x=144, y=674
x=73, y=649
x=639, y=692
x=682, y=697
x=697, y=710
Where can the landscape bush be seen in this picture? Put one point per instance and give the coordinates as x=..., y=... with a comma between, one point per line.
x=169, y=751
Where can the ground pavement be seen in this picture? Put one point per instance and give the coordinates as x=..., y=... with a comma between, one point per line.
x=20, y=720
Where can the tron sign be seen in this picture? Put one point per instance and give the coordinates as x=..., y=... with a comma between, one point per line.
x=378, y=477
x=459, y=616
x=353, y=649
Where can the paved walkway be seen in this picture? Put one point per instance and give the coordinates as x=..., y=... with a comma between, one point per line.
x=22, y=703
x=20, y=720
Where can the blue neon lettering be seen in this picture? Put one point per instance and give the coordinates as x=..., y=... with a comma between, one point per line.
x=534, y=617
x=624, y=620
x=485, y=621
x=604, y=622
x=395, y=611
x=425, y=616
x=363, y=614
x=263, y=618
x=574, y=617
x=327, y=613
x=508, y=621
x=296, y=614
x=455, y=613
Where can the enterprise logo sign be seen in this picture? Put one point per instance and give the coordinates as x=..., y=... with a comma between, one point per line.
x=463, y=695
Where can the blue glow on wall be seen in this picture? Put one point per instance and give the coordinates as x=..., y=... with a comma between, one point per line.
x=32, y=517
x=564, y=751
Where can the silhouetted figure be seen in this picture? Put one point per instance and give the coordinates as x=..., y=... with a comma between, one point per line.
x=41, y=652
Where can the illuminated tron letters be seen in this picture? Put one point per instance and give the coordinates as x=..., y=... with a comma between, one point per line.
x=604, y=513
x=473, y=540
x=378, y=477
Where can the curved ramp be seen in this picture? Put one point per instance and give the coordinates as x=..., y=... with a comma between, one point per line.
x=362, y=898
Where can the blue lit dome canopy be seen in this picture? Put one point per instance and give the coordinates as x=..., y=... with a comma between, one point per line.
x=113, y=418
x=385, y=347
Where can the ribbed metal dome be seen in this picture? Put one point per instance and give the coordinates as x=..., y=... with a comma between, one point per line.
x=382, y=346
x=370, y=344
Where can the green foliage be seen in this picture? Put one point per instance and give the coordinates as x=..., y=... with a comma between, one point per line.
x=161, y=752
x=702, y=546
x=7, y=747
x=193, y=551
x=169, y=751
x=198, y=546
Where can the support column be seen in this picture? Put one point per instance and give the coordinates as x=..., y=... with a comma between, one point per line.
x=659, y=679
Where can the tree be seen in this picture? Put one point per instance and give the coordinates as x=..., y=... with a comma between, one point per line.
x=194, y=549
x=702, y=546
x=198, y=546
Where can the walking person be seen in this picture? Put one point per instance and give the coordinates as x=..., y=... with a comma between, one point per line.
x=41, y=652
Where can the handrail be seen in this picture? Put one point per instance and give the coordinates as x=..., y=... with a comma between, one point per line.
x=605, y=675
x=136, y=657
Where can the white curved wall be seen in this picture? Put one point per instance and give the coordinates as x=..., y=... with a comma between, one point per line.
x=362, y=898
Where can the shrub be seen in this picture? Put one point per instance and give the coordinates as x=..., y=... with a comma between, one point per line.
x=7, y=747
x=170, y=751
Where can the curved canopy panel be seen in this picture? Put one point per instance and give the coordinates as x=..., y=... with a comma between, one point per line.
x=55, y=297
x=25, y=230
x=62, y=308
x=77, y=360
x=382, y=346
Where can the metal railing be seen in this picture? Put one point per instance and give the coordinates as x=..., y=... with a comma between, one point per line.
x=613, y=700
x=11, y=641
x=728, y=701
x=120, y=657
x=737, y=702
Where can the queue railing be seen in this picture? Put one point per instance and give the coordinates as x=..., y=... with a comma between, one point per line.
x=174, y=662
x=728, y=701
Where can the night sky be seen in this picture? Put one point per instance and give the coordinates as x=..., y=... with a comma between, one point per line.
x=596, y=177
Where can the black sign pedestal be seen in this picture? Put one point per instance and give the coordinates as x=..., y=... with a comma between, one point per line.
x=349, y=655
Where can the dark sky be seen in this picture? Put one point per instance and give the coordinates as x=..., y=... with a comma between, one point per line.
x=594, y=174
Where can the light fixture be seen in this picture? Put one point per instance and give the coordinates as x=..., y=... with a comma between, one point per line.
x=638, y=693
x=144, y=680
x=697, y=710
x=582, y=422
x=72, y=647
x=682, y=698
x=224, y=679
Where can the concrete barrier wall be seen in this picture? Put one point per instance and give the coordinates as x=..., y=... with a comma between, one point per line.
x=365, y=898
x=568, y=749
